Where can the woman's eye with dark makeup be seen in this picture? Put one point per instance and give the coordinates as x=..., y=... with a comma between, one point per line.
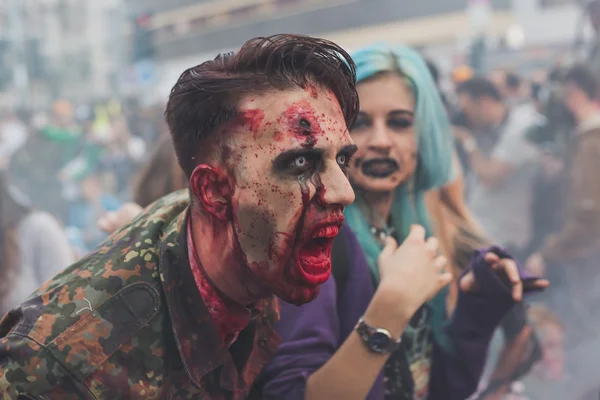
x=400, y=123
x=361, y=123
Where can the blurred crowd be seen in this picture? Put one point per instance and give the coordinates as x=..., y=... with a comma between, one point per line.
x=528, y=148
x=78, y=162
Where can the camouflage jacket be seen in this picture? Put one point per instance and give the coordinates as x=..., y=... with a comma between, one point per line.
x=127, y=322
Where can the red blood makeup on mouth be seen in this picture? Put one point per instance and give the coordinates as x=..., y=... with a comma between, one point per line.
x=314, y=239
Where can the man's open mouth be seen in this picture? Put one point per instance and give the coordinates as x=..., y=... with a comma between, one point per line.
x=314, y=257
x=379, y=167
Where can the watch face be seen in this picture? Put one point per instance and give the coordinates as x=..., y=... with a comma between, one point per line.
x=379, y=342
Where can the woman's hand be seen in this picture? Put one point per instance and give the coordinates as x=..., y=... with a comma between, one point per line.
x=503, y=267
x=114, y=220
x=410, y=275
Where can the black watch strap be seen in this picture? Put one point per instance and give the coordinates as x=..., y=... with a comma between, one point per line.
x=377, y=340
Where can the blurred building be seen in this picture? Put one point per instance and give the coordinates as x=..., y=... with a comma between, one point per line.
x=550, y=22
x=544, y=33
x=186, y=32
x=61, y=48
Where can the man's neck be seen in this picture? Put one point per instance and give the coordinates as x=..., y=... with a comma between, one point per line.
x=214, y=243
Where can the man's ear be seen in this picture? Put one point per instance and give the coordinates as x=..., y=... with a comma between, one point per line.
x=212, y=188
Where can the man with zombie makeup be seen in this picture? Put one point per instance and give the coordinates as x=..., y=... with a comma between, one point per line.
x=179, y=304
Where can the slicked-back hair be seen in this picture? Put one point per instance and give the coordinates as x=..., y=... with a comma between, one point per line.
x=206, y=96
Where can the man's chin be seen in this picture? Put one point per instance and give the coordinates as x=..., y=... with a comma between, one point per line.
x=300, y=295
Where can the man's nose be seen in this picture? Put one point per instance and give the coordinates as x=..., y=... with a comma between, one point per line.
x=337, y=188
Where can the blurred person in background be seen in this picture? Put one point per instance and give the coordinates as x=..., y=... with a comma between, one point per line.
x=503, y=164
x=36, y=166
x=405, y=149
x=13, y=134
x=593, y=10
x=124, y=151
x=516, y=91
x=160, y=176
x=93, y=201
x=33, y=246
x=181, y=303
x=575, y=247
x=459, y=120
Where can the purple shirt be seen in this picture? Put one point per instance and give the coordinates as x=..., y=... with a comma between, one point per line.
x=313, y=332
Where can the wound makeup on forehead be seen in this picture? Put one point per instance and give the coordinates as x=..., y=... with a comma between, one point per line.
x=301, y=119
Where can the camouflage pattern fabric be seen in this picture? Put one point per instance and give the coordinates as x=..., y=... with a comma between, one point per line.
x=128, y=322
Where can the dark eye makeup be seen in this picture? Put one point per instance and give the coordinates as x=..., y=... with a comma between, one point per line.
x=397, y=120
x=306, y=161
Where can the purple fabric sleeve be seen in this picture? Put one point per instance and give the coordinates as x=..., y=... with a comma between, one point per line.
x=477, y=315
x=310, y=337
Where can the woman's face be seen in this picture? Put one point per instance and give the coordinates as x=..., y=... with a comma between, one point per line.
x=385, y=135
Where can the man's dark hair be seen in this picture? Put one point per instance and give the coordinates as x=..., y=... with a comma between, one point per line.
x=512, y=80
x=478, y=88
x=585, y=79
x=206, y=96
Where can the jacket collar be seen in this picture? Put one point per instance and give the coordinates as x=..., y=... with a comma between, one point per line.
x=198, y=340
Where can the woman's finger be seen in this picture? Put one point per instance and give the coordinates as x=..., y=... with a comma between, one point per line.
x=440, y=263
x=538, y=284
x=389, y=248
x=432, y=246
x=467, y=282
x=417, y=232
x=445, y=279
x=512, y=272
x=491, y=258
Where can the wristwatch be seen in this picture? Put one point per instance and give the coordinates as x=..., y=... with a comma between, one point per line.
x=377, y=340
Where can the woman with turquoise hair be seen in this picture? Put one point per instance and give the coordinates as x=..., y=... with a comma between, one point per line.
x=370, y=333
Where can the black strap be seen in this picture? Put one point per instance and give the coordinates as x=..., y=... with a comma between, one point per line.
x=339, y=264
